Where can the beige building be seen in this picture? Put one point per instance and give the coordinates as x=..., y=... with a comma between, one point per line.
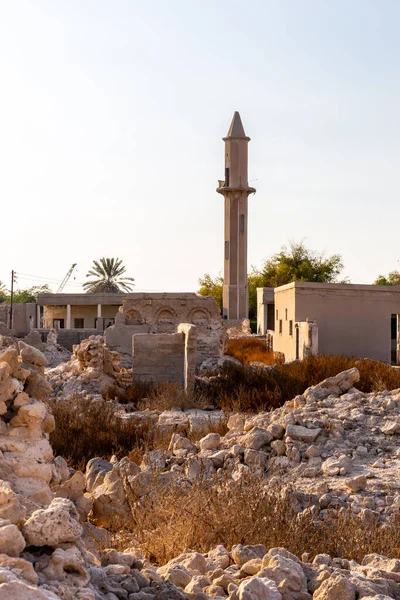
x=235, y=189
x=77, y=311
x=330, y=318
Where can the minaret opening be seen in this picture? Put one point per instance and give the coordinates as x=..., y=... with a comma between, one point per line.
x=227, y=177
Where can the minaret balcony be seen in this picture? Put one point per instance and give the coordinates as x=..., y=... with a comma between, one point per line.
x=223, y=188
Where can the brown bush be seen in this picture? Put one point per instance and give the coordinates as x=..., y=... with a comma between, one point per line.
x=168, y=396
x=251, y=390
x=250, y=350
x=88, y=429
x=174, y=517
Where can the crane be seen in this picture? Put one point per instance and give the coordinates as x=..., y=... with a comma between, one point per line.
x=65, y=280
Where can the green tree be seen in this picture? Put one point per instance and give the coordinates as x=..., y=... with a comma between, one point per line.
x=109, y=277
x=3, y=292
x=393, y=278
x=27, y=295
x=211, y=287
x=299, y=263
x=296, y=263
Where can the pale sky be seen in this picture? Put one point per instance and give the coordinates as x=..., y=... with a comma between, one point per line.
x=112, y=114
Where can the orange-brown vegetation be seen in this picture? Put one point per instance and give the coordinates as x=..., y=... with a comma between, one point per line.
x=250, y=350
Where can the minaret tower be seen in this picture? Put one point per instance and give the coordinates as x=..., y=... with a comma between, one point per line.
x=235, y=189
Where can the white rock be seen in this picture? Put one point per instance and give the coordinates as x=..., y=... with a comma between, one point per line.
x=54, y=525
x=303, y=434
x=258, y=588
x=11, y=539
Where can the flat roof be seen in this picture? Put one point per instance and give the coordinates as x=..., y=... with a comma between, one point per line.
x=338, y=286
x=109, y=299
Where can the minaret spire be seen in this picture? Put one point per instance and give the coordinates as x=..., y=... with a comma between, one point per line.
x=235, y=189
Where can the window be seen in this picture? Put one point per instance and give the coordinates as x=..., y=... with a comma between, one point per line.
x=276, y=314
x=280, y=326
x=291, y=327
x=241, y=224
x=78, y=323
x=285, y=314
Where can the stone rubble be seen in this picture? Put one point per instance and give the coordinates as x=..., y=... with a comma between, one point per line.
x=337, y=446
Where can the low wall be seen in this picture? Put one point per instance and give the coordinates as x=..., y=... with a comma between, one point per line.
x=69, y=337
x=165, y=357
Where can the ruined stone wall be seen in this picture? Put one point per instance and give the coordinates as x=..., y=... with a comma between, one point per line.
x=24, y=317
x=162, y=357
x=162, y=313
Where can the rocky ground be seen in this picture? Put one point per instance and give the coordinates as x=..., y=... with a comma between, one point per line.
x=335, y=447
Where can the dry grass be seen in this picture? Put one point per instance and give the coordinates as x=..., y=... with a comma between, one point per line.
x=250, y=350
x=248, y=390
x=168, y=396
x=88, y=429
x=174, y=517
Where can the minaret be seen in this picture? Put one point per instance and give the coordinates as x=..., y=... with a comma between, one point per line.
x=235, y=189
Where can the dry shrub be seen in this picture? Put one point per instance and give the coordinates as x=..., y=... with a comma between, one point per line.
x=168, y=396
x=250, y=350
x=247, y=389
x=88, y=429
x=176, y=516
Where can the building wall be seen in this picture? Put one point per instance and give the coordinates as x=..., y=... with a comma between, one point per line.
x=284, y=314
x=24, y=317
x=162, y=313
x=165, y=357
x=86, y=312
x=265, y=301
x=351, y=319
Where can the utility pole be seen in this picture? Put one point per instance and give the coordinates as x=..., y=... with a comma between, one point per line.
x=12, y=297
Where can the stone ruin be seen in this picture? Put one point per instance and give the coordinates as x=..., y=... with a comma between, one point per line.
x=162, y=314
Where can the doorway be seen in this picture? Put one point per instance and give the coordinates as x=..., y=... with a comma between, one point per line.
x=297, y=342
x=394, y=339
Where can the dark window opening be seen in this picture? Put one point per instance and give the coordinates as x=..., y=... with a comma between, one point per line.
x=270, y=317
x=78, y=323
x=276, y=314
x=291, y=327
x=285, y=314
x=393, y=336
x=393, y=327
x=227, y=177
x=241, y=223
x=280, y=326
x=58, y=323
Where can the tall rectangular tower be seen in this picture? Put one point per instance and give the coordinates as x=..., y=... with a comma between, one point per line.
x=235, y=189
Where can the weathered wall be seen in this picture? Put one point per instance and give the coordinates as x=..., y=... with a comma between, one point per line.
x=265, y=299
x=284, y=314
x=69, y=337
x=24, y=317
x=352, y=319
x=165, y=357
x=162, y=313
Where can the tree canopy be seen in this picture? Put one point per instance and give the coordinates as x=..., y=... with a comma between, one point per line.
x=108, y=273
x=393, y=278
x=23, y=296
x=296, y=263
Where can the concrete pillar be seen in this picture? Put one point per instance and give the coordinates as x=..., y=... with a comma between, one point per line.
x=68, y=316
x=37, y=315
x=99, y=311
x=189, y=362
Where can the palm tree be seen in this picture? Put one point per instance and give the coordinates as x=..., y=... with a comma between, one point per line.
x=108, y=273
